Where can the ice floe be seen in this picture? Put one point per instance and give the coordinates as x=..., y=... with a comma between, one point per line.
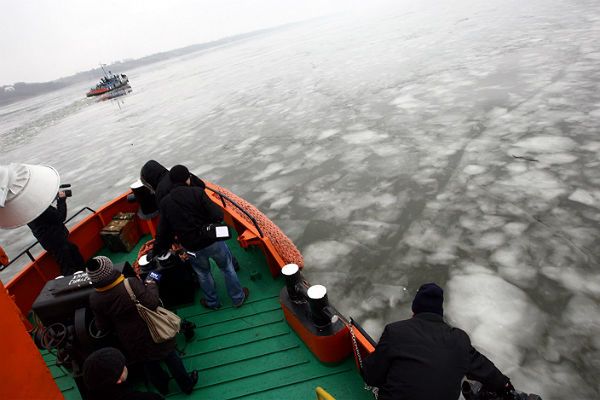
x=326, y=254
x=499, y=317
x=584, y=197
x=546, y=144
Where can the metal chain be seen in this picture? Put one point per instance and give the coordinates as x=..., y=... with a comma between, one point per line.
x=373, y=389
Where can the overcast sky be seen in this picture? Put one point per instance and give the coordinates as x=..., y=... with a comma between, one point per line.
x=43, y=40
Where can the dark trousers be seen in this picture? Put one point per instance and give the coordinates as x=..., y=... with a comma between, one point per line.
x=160, y=379
x=68, y=257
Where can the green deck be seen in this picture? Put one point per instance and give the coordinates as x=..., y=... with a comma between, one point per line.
x=245, y=353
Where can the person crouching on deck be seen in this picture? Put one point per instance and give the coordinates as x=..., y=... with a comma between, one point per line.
x=182, y=212
x=114, y=309
x=423, y=358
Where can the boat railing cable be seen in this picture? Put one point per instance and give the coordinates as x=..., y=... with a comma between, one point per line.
x=246, y=213
x=351, y=326
x=27, y=251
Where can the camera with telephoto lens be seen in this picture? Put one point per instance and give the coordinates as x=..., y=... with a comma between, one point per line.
x=68, y=192
x=473, y=390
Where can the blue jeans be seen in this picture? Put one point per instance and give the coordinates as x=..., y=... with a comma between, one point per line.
x=221, y=254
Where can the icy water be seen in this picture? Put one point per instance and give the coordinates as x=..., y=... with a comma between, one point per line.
x=455, y=143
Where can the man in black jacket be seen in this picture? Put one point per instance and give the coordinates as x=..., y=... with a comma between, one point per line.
x=155, y=176
x=49, y=229
x=183, y=212
x=423, y=358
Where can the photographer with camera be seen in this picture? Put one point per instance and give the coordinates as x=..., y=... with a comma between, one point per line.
x=49, y=229
x=185, y=211
x=424, y=358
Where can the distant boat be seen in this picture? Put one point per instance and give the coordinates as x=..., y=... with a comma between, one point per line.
x=108, y=83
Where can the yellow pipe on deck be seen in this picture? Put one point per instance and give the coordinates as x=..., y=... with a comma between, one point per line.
x=322, y=394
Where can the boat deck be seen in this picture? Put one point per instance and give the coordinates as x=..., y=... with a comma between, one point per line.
x=244, y=353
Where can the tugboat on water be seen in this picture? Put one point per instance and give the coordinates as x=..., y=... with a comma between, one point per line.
x=108, y=83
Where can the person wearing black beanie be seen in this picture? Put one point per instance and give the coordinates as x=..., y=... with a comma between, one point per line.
x=179, y=174
x=104, y=375
x=429, y=298
x=184, y=213
x=114, y=310
x=157, y=178
x=424, y=358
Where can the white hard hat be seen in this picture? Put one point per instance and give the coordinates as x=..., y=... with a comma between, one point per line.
x=26, y=191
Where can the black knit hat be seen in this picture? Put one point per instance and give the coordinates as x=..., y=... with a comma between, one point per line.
x=103, y=368
x=429, y=298
x=101, y=272
x=179, y=174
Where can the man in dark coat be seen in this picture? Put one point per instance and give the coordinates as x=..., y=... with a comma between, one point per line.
x=183, y=212
x=114, y=309
x=105, y=375
x=156, y=176
x=423, y=358
x=49, y=229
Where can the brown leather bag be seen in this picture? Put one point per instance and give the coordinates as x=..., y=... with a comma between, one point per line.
x=162, y=323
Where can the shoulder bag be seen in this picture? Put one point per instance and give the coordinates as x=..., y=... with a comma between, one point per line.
x=162, y=323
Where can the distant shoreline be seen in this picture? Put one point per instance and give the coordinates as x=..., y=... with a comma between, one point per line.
x=22, y=90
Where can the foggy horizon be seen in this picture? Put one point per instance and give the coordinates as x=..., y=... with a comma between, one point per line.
x=109, y=64
x=47, y=41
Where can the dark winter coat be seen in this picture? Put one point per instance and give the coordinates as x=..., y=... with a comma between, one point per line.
x=157, y=176
x=114, y=309
x=182, y=212
x=49, y=228
x=423, y=358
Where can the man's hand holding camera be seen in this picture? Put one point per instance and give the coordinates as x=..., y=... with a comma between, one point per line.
x=64, y=191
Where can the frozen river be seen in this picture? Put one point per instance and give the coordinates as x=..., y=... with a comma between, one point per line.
x=452, y=142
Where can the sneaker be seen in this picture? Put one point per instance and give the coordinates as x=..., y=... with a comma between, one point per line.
x=205, y=305
x=246, y=294
x=194, y=378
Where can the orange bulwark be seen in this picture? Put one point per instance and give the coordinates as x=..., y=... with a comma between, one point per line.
x=20, y=354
